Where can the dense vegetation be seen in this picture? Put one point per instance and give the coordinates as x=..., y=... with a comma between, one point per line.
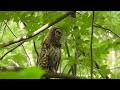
x=84, y=54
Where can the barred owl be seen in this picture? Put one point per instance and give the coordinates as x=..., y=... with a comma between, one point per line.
x=50, y=54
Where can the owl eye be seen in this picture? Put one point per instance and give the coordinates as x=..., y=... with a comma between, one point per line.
x=57, y=32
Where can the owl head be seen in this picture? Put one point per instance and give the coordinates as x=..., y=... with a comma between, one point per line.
x=55, y=32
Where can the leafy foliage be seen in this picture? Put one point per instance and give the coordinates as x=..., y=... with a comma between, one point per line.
x=29, y=73
x=76, y=34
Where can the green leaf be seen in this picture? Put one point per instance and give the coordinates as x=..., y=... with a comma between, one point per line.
x=103, y=66
x=19, y=57
x=29, y=73
x=71, y=61
x=3, y=64
x=1, y=46
x=105, y=71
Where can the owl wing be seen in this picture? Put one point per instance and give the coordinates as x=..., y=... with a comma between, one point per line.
x=58, y=54
x=54, y=58
x=44, y=56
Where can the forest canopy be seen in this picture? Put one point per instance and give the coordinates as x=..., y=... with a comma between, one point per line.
x=89, y=44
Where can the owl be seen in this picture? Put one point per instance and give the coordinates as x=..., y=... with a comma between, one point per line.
x=50, y=53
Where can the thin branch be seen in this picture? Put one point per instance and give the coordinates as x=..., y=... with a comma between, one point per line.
x=10, y=29
x=91, y=57
x=35, y=48
x=39, y=30
x=16, y=37
x=75, y=65
x=70, y=70
x=68, y=53
x=36, y=51
x=64, y=68
x=12, y=50
x=98, y=67
x=3, y=31
x=99, y=26
x=76, y=54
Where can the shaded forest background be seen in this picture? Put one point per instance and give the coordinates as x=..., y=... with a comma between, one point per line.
x=77, y=43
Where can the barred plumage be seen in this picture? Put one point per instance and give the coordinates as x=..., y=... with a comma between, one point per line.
x=50, y=54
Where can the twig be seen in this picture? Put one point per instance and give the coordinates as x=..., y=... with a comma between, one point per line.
x=76, y=54
x=35, y=48
x=16, y=37
x=68, y=53
x=39, y=30
x=11, y=50
x=36, y=51
x=3, y=32
x=75, y=65
x=10, y=29
x=99, y=26
x=91, y=57
x=98, y=67
x=64, y=68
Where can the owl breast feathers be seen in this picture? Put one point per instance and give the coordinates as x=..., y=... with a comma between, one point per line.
x=50, y=54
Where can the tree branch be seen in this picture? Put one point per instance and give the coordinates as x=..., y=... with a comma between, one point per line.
x=61, y=75
x=99, y=26
x=12, y=50
x=46, y=75
x=91, y=57
x=16, y=37
x=39, y=30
